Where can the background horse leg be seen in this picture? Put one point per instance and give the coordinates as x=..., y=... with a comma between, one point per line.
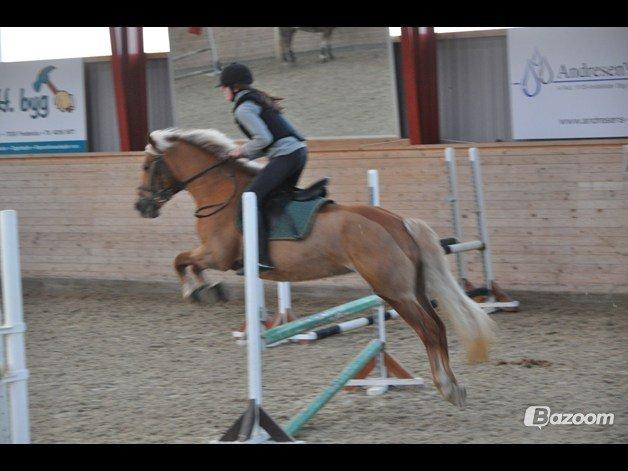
x=326, y=53
x=286, y=34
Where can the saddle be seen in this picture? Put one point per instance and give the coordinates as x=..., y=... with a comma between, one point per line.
x=290, y=212
x=318, y=189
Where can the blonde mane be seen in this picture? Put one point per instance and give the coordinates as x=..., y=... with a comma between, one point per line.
x=210, y=140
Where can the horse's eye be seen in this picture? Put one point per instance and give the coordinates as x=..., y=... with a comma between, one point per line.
x=145, y=167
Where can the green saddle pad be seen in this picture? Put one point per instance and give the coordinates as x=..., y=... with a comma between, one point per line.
x=295, y=222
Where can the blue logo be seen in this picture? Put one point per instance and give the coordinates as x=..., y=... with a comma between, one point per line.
x=537, y=73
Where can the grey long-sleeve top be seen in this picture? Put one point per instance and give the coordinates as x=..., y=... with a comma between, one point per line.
x=248, y=114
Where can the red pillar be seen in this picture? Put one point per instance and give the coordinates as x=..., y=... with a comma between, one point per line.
x=129, y=78
x=418, y=63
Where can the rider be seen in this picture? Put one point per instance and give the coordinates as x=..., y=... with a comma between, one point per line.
x=260, y=118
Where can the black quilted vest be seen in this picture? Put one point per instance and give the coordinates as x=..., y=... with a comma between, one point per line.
x=273, y=119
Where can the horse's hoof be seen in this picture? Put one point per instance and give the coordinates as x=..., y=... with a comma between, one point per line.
x=221, y=292
x=187, y=294
x=209, y=295
x=456, y=394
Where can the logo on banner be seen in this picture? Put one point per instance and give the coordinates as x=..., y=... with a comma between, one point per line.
x=64, y=101
x=537, y=73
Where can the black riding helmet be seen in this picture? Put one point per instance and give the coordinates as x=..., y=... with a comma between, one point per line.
x=235, y=73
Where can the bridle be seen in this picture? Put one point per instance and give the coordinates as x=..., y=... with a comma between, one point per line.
x=159, y=196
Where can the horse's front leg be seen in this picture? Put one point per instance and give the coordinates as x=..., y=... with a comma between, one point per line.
x=208, y=291
x=181, y=263
x=200, y=290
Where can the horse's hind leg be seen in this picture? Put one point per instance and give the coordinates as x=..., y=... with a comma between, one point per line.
x=422, y=317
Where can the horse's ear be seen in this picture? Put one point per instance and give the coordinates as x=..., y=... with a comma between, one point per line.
x=152, y=142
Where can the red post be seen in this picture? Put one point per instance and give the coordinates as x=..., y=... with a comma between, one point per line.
x=418, y=63
x=129, y=77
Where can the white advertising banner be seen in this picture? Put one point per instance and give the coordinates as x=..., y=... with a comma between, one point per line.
x=42, y=107
x=568, y=82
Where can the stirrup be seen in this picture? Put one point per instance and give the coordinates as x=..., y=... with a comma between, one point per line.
x=261, y=267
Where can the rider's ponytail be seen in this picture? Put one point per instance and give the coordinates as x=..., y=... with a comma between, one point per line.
x=272, y=101
x=269, y=100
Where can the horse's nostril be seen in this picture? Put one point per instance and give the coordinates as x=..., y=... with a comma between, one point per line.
x=140, y=205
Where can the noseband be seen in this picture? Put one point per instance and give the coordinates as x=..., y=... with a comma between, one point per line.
x=160, y=195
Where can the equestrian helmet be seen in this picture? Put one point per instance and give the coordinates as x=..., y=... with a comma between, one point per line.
x=235, y=73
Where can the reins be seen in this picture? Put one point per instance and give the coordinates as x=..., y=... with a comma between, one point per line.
x=164, y=194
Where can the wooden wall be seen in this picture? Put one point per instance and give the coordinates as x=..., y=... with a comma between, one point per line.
x=556, y=210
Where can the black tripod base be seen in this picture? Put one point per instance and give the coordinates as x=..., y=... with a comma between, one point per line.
x=242, y=429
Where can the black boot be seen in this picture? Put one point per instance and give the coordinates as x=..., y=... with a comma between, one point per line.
x=262, y=239
x=262, y=231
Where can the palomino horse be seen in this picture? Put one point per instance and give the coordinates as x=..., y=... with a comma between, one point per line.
x=400, y=258
x=286, y=34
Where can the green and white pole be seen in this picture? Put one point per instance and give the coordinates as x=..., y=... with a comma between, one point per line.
x=372, y=349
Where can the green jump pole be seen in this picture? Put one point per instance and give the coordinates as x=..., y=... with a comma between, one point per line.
x=296, y=327
x=372, y=349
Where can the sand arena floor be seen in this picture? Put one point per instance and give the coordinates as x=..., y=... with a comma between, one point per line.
x=117, y=366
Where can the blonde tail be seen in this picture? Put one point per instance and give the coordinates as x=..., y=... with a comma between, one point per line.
x=473, y=325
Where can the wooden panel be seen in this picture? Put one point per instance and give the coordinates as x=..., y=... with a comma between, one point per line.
x=556, y=210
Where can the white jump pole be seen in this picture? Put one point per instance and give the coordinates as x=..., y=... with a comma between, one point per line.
x=284, y=299
x=452, y=199
x=474, y=158
x=253, y=305
x=379, y=318
x=13, y=372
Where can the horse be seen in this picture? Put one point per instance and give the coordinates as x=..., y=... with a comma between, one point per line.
x=286, y=34
x=400, y=258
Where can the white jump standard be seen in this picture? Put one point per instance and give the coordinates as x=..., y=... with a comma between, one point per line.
x=255, y=425
x=14, y=421
x=497, y=299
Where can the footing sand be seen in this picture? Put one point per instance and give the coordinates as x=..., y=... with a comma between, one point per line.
x=116, y=366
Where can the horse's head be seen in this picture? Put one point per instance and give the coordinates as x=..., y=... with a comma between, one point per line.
x=195, y=159
x=157, y=185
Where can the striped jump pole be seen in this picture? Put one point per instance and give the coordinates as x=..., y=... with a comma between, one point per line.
x=285, y=331
x=342, y=327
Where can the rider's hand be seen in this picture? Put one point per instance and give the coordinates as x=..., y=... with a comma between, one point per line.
x=235, y=153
